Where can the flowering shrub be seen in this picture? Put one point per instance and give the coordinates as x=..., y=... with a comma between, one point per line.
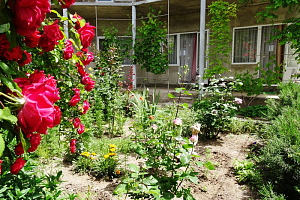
x=29, y=97
x=217, y=106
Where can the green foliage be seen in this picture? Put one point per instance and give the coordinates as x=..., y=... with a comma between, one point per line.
x=217, y=106
x=220, y=38
x=239, y=126
x=29, y=185
x=254, y=111
x=151, y=46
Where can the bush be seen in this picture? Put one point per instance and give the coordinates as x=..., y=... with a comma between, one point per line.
x=254, y=111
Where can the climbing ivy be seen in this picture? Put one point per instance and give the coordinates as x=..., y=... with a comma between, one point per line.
x=218, y=52
x=150, y=50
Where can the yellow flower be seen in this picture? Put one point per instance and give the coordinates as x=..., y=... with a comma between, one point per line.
x=106, y=156
x=141, y=98
x=94, y=154
x=112, y=149
x=112, y=146
x=87, y=154
x=112, y=154
x=118, y=172
x=92, y=158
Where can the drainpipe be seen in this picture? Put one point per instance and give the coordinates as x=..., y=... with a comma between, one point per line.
x=66, y=31
x=133, y=42
x=202, y=45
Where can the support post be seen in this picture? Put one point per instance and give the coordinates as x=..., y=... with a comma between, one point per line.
x=66, y=23
x=133, y=42
x=96, y=23
x=202, y=45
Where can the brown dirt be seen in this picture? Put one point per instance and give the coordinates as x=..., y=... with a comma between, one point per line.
x=218, y=184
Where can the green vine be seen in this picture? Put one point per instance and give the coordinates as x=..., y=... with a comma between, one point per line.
x=151, y=44
x=221, y=12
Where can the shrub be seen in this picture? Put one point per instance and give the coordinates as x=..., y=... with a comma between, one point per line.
x=254, y=111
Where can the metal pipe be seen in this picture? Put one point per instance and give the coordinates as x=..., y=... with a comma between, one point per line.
x=133, y=42
x=202, y=45
x=66, y=23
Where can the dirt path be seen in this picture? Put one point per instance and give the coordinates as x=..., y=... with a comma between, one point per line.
x=218, y=184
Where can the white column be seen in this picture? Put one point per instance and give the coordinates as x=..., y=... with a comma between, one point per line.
x=202, y=44
x=96, y=23
x=66, y=23
x=133, y=42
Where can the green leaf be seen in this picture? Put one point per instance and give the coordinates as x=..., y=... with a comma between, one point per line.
x=171, y=96
x=185, y=105
x=209, y=166
x=134, y=168
x=188, y=146
x=199, y=163
x=121, y=189
x=6, y=69
x=193, y=179
x=4, y=27
x=2, y=145
x=185, y=158
x=178, y=90
x=6, y=115
x=8, y=82
x=187, y=93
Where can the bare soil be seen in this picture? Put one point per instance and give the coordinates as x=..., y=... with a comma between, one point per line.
x=218, y=184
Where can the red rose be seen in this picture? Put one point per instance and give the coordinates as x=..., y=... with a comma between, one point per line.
x=0, y=165
x=86, y=106
x=38, y=112
x=73, y=142
x=86, y=35
x=81, y=129
x=4, y=43
x=73, y=149
x=72, y=145
x=76, y=122
x=19, y=149
x=78, y=20
x=32, y=41
x=26, y=61
x=35, y=141
x=68, y=51
x=89, y=59
x=66, y=3
x=80, y=69
x=57, y=116
x=28, y=15
x=50, y=37
x=76, y=98
x=90, y=85
x=85, y=79
x=17, y=166
x=13, y=54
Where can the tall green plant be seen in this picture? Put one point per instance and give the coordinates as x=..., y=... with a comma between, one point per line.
x=221, y=12
x=150, y=50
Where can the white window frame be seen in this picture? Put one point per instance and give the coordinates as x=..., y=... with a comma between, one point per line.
x=258, y=45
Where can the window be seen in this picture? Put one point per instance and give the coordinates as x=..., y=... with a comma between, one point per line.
x=173, y=48
x=245, y=45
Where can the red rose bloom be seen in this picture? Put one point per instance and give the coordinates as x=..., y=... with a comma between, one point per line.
x=26, y=61
x=86, y=35
x=28, y=15
x=4, y=44
x=13, y=54
x=50, y=37
x=0, y=165
x=73, y=145
x=90, y=85
x=85, y=79
x=76, y=98
x=81, y=70
x=19, y=149
x=79, y=18
x=73, y=142
x=66, y=3
x=89, y=59
x=33, y=40
x=68, y=51
x=17, y=166
x=76, y=122
x=86, y=106
x=38, y=112
x=35, y=141
x=81, y=129
x=57, y=115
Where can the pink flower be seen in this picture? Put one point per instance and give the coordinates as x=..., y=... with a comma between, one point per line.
x=17, y=166
x=86, y=106
x=154, y=127
x=32, y=41
x=238, y=100
x=76, y=98
x=50, y=37
x=69, y=50
x=214, y=112
x=35, y=141
x=86, y=35
x=38, y=112
x=178, y=122
x=81, y=129
x=76, y=122
x=28, y=15
x=194, y=138
x=66, y=3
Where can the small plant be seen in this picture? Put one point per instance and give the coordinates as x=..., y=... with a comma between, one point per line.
x=217, y=106
x=245, y=171
x=254, y=111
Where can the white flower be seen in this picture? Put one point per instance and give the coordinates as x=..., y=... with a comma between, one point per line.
x=238, y=100
x=154, y=127
x=214, y=112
